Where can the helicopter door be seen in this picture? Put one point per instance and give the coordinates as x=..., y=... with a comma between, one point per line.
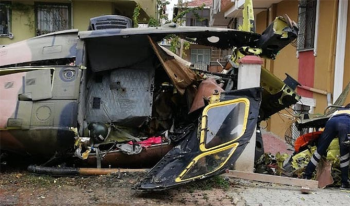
x=221, y=136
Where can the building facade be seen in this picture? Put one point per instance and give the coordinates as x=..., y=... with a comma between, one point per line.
x=319, y=60
x=202, y=57
x=21, y=20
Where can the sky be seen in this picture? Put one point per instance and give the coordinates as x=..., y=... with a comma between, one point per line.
x=170, y=7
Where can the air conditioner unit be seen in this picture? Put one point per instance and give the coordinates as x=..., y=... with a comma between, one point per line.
x=110, y=22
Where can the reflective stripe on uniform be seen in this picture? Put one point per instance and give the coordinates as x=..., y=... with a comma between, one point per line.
x=344, y=157
x=344, y=164
x=347, y=111
x=314, y=161
x=318, y=156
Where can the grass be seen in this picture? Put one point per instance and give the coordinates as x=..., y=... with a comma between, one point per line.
x=215, y=182
x=42, y=180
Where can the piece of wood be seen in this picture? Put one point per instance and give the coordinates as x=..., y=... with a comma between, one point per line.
x=312, y=184
x=305, y=190
x=106, y=171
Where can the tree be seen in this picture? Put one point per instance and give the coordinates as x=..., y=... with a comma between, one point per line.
x=177, y=45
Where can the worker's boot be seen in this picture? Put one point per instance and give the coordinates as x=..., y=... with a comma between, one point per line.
x=345, y=186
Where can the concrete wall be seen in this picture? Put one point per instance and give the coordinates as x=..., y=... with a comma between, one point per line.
x=23, y=23
x=287, y=61
x=347, y=56
x=82, y=12
x=324, y=61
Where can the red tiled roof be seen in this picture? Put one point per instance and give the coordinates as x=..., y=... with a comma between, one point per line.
x=200, y=2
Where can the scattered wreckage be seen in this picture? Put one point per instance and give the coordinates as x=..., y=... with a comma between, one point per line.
x=328, y=171
x=116, y=98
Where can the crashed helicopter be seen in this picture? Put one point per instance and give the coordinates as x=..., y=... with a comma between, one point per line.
x=112, y=96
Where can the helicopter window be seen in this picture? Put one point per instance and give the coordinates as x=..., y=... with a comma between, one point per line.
x=5, y=27
x=208, y=162
x=225, y=123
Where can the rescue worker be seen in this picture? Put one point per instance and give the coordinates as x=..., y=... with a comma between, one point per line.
x=338, y=125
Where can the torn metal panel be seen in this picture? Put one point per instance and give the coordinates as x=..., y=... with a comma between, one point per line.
x=278, y=34
x=179, y=59
x=207, y=88
x=123, y=96
x=277, y=95
x=57, y=45
x=180, y=74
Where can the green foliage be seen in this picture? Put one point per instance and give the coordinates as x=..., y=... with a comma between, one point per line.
x=161, y=8
x=136, y=14
x=175, y=42
x=214, y=182
x=185, y=10
x=35, y=180
x=152, y=22
x=186, y=46
x=24, y=10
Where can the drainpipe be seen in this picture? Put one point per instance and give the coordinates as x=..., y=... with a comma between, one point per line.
x=72, y=14
x=332, y=54
x=340, y=55
x=316, y=26
x=329, y=99
x=314, y=90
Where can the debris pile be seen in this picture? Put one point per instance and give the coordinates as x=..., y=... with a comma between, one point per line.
x=294, y=165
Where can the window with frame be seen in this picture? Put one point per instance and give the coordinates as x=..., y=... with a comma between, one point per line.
x=307, y=19
x=52, y=18
x=5, y=21
x=193, y=20
x=200, y=58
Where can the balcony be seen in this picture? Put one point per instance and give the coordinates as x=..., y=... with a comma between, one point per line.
x=225, y=10
x=259, y=6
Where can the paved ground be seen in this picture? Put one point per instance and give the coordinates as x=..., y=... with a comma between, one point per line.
x=26, y=189
x=264, y=194
x=273, y=144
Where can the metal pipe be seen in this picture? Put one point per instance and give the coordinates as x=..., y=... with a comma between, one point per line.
x=69, y=171
x=331, y=106
x=332, y=41
x=318, y=91
x=329, y=99
x=341, y=49
x=95, y=171
x=316, y=26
